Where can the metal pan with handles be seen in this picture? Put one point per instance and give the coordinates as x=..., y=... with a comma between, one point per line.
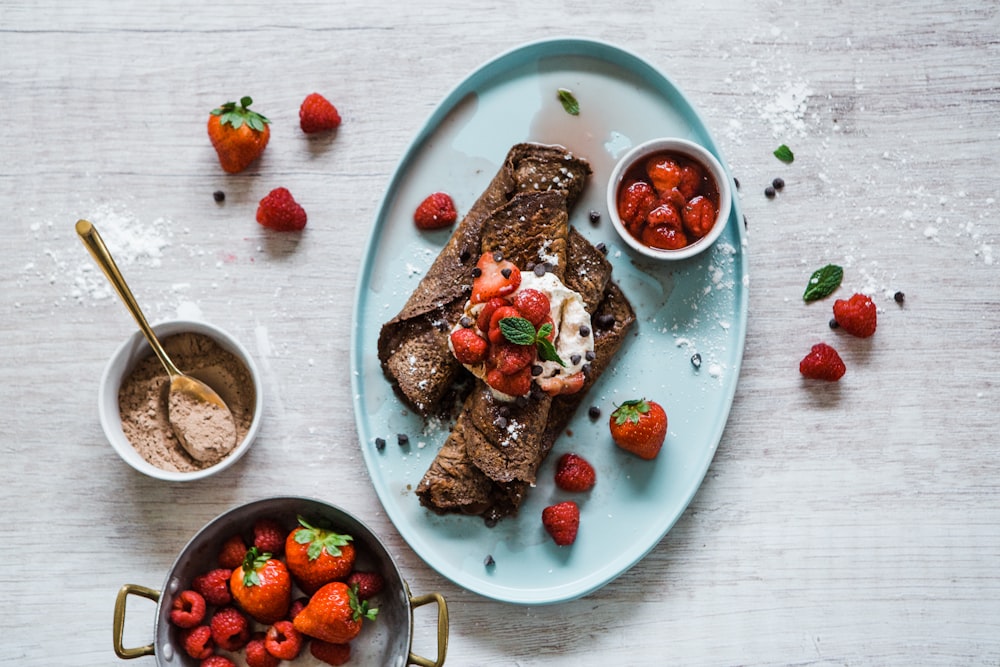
x=386, y=642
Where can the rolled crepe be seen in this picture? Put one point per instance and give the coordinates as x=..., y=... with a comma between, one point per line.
x=492, y=455
x=413, y=346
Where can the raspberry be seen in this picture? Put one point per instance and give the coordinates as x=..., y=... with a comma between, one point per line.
x=822, y=363
x=280, y=212
x=232, y=553
x=331, y=654
x=317, y=114
x=217, y=661
x=562, y=521
x=369, y=584
x=856, y=315
x=269, y=536
x=198, y=642
x=574, y=473
x=230, y=629
x=435, y=212
x=214, y=586
x=188, y=609
x=533, y=305
x=297, y=606
x=256, y=653
x=283, y=640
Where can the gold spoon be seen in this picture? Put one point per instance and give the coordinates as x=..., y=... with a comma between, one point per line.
x=201, y=420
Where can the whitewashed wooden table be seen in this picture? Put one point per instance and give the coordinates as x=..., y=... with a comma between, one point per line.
x=856, y=524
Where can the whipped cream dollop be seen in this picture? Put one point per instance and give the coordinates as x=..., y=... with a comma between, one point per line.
x=573, y=341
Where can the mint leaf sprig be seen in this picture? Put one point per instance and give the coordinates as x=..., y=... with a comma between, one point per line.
x=823, y=282
x=520, y=331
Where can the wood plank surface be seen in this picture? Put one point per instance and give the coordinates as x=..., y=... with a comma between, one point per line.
x=856, y=524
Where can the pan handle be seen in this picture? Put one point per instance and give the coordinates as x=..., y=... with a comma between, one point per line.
x=123, y=593
x=442, y=632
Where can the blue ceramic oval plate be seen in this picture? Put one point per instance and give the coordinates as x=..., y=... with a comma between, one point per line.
x=694, y=306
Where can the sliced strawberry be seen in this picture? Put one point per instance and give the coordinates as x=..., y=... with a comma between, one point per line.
x=494, y=276
x=562, y=384
x=493, y=331
x=486, y=312
x=509, y=358
x=534, y=305
x=518, y=384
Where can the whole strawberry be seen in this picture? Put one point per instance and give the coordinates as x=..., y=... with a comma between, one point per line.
x=334, y=614
x=316, y=114
x=562, y=521
x=640, y=427
x=822, y=363
x=317, y=556
x=574, y=473
x=238, y=134
x=435, y=212
x=262, y=587
x=856, y=315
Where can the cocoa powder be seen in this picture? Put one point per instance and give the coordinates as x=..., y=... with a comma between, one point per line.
x=142, y=398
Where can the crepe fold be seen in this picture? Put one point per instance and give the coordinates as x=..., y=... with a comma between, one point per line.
x=413, y=346
x=492, y=455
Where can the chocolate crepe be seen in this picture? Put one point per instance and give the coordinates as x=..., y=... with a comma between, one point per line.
x=492, y=455
x=413, y=346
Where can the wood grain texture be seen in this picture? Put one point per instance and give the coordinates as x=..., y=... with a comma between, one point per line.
x=857, y=524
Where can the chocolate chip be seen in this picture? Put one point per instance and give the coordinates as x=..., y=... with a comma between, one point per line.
x=899, y=297
x=696, y=360
x=574, y=359
x=594, y=412
x=602, y=248
x=380, y=444
x=530, y=266
x=466, y=321
x=503, y=411
x=402, y=439
x=497, y=256
x=586, y=370
x=536, y=370
x=501, y=422
x=506, y=272
x=476, y=272
x=219, y=196
x=769, y=192
x=737, y=182
x=539, y=270
x=584, y=330
x=488, y=561
x=590, y=356
x=834, y=323
x=464, y=256
x=595, y=216
x=604, y=321
x=778, y=183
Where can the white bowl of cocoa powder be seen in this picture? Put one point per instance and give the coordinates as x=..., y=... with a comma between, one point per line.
x=132, y=397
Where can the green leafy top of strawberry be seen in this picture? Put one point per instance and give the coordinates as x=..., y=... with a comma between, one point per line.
x=630, y=411
x=253, y=561
x=520, y=331
x=360, y=607
x=230, y=114
x=320, y=538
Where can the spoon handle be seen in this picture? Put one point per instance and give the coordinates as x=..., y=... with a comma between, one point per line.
x=95, y=244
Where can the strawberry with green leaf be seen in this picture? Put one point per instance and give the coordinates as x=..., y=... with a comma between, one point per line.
x=238, y=134
x=262, y=587
x=317, y=555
